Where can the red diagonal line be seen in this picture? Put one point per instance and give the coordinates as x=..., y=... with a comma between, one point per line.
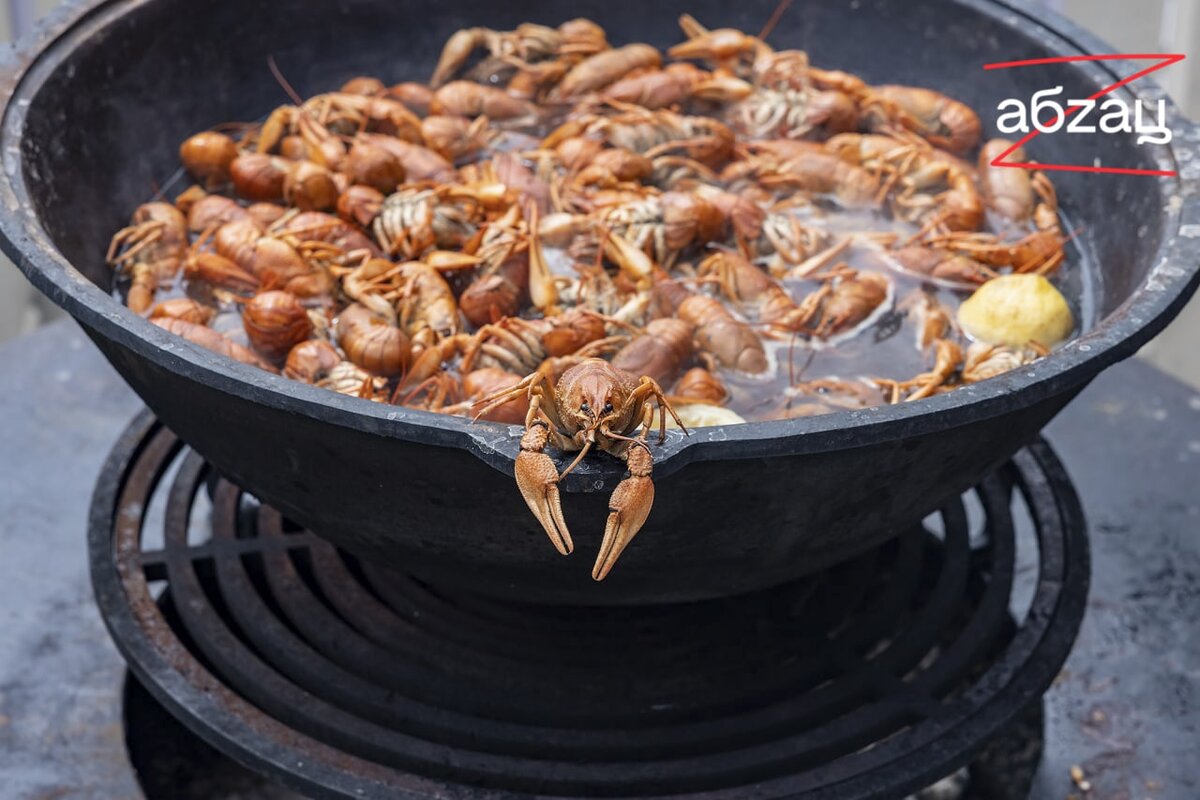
x=1165, y=60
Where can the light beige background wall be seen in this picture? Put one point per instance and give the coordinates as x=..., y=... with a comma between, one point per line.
x=1129, y=25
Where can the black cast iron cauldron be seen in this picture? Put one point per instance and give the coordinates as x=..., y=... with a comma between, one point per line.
x=100, y=104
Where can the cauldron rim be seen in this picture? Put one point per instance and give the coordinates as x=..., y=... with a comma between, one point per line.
x=1159, y=297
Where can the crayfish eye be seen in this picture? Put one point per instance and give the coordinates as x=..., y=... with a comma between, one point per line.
x=607, y=408
x=584, y=407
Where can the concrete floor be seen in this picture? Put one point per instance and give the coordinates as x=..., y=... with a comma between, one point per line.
x=1131, y=26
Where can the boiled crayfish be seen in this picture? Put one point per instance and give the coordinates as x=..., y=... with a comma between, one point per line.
x=593, y=404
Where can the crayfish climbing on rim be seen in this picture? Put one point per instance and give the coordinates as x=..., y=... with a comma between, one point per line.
x=593, y=404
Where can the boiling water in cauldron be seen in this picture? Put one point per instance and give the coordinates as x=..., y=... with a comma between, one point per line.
x=883, y=348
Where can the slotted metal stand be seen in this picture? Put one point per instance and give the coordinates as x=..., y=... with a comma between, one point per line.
x=871, y=679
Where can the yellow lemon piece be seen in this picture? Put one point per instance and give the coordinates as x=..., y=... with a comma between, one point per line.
x=1015, y=310
x=702, y=415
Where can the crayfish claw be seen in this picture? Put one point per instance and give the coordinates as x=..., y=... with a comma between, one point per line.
x=537, y=478
x=629, y=507
x=455, y=52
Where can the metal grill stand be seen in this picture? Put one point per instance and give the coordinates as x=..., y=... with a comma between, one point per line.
x=871, y=679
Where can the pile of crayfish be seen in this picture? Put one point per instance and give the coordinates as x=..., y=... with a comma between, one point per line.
x=575, y=236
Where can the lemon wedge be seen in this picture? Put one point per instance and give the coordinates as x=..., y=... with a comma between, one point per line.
x=1015, y=310
x=703, y=415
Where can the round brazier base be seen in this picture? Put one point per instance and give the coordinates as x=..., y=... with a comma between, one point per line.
x=872, y=678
